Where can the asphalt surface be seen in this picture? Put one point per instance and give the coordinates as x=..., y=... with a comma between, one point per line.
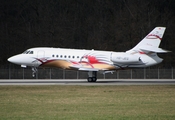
x=85, y=83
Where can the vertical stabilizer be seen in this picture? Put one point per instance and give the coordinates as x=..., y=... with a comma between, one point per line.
x=152, y=41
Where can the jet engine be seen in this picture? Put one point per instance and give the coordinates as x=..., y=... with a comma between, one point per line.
x=124, y=58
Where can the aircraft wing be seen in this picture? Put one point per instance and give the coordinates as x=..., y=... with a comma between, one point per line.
x=82, y=68
x=88, y=69
x=102, y=71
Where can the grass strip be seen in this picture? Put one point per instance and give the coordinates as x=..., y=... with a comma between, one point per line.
x=87, y=102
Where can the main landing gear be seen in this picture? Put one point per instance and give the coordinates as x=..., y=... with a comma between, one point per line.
x=92, y=76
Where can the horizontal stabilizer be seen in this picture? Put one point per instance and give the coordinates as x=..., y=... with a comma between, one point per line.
x=153, y=49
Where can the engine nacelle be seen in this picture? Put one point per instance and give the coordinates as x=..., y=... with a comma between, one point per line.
x=124, y=58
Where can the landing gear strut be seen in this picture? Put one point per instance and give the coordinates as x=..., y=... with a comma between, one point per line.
x=92, y=76
x=34, y=69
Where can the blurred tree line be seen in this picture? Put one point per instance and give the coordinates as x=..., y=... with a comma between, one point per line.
x=114, y=25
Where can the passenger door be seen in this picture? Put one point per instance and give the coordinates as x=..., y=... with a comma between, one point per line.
x=40, y=58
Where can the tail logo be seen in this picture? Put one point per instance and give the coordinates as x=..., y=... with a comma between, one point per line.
x=155, y=35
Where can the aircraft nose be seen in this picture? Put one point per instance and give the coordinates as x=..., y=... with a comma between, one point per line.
x=14, y=59
x=11, y=59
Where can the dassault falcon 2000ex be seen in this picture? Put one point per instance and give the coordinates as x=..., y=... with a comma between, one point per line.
x=144, y=54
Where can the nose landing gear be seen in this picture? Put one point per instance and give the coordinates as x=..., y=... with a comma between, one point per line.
x=34, y=69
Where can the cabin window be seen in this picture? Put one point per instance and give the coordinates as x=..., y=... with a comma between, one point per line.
x=73, y=56
x=53, y=55
x=61, y=56
x=69, y=56
x=65, y=56
x=57, y=55
x=77, y=56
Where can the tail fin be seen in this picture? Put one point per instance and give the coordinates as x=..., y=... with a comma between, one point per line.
x=151, y=42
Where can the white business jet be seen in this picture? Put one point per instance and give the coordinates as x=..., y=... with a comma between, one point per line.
x=144, y=54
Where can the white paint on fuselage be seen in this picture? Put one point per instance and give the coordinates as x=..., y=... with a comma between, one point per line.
x=76, y=55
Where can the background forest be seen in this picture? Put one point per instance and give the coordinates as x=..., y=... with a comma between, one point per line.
x=114, y=25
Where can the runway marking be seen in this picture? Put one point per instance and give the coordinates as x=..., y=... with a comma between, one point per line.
x=85, y=83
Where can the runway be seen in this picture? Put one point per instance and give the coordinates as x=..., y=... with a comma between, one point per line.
x=84, y=82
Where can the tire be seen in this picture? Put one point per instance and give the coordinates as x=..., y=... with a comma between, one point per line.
x=89, y=79
x=94, y=79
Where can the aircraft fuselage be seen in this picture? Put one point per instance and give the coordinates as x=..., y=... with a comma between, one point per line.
x=144, y=54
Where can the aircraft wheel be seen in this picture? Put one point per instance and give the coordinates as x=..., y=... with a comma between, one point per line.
x=89, y=79
x=92, y=79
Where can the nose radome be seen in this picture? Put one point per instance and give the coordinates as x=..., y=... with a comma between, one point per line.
x=14, y=59
x=10, y=59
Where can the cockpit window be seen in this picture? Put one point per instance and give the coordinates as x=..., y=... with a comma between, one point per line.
x=31, y=52
x=24, y=52
x=27, y=52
